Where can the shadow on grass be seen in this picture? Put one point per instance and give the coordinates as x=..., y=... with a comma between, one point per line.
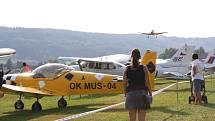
x=180, y=90
x=172, y=112
x=163, y=82
x=209, y=105
x=93, y=96
x=24, y=115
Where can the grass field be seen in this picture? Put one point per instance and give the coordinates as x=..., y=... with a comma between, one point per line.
x=164, y=107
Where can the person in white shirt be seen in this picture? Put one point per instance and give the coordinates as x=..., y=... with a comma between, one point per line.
x=197, y=78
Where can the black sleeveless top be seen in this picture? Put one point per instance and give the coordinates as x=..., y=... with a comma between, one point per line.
x=136, y=78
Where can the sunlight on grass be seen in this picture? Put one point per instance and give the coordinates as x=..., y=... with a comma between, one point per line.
x=164, y=108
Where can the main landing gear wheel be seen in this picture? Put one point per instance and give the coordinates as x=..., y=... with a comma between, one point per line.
x=36, y=106
x=19, y=105
x=62, y=103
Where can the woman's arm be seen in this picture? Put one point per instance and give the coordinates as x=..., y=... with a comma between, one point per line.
x=147, y=80
x=125, y=80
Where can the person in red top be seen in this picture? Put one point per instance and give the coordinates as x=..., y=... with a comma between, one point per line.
x=25, y=68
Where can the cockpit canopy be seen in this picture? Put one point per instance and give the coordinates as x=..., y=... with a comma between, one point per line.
x=50, y=70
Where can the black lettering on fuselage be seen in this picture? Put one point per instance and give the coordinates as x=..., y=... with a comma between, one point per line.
x=93, y=85
x=75, y=85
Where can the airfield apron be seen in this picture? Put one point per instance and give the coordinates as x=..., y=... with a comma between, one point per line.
x=137, y=92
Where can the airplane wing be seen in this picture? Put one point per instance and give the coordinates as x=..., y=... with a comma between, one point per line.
x=6, y=52
x=145, y=33
x=168, y=74
x=76, y=58
x=26, y=90
x=160, y=33
x=210, y=67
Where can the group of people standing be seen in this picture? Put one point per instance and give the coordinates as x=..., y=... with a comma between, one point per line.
x=138, y=91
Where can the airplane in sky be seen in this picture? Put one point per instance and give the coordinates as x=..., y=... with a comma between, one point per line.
x=61, y=80
x=178, y=65
x=153, y=33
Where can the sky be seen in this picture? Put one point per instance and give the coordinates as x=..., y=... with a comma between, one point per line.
x=181, y=18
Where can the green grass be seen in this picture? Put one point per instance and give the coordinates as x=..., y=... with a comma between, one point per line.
x=164, y=107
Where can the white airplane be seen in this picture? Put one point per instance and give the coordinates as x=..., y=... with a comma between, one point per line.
x=111, y=64
x=178, y=65
x=3, y=53
x=6, y=52
x=120, y=58
x=209, y=62
x=103, y=66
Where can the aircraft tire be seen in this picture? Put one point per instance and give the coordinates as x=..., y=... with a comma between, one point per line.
x=36, y=106
x=19, y=105
x=62, y=103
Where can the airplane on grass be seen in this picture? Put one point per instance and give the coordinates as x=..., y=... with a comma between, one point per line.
x=6, y=52
x=111, y=64
x=3, y=53
x=153, y=33
x=61, y=80
x=178, y=65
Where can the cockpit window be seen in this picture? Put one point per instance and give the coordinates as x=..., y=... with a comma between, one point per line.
x=50, y=70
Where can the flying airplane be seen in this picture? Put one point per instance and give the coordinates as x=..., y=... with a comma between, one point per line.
x=61, y=80
x=153, y=33
x=178, y=65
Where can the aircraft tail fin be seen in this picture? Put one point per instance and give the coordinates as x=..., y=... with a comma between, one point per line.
x=183, y=55
x=149, y=60
x=210, y=58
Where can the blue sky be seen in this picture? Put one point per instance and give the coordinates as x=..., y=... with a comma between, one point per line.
x=183, y=18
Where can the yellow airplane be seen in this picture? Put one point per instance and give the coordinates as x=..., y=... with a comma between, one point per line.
x=56, y=79
x=154, y=33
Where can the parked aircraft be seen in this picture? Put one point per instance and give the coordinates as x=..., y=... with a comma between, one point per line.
x=209, y=62
x=119, y=58
x=154, y=33
x=3, y=53
x=177, y=65
x=111, y=64
x=62, y=80
x=6, y=52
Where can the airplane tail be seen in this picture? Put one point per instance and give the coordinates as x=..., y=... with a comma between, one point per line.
x=149, y=60
x=183, y=55
x=210, y=58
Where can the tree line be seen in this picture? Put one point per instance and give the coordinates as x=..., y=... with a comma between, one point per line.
x=169, y=52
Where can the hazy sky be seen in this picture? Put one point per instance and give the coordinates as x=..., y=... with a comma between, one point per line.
x=184, y=18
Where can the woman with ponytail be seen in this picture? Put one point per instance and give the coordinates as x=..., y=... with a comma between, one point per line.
x=136, y=88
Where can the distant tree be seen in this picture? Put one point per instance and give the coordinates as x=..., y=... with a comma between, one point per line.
x=9, y=64
x=201, y=52
x=168, y=53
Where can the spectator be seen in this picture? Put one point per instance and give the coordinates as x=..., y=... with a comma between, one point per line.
x=137, y=88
